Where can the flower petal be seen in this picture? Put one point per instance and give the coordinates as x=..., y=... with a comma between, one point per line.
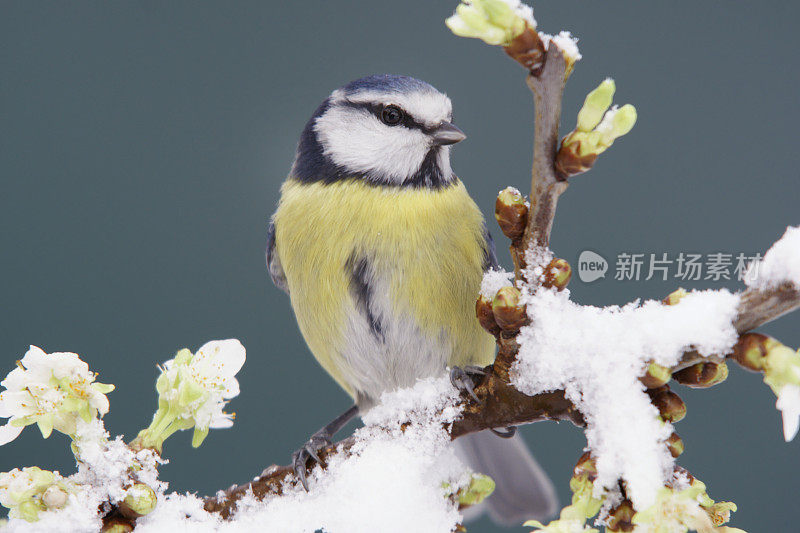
x=789, y=405
x=221, y=421
x=13, y=403
x=231, y=389
x=100, y=402
x=15, y=380
x=66, y=364
x=229, y=354
x=9, y=433
x=46, y=424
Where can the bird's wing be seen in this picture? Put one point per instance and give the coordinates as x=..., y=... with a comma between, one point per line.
x=489, y=255
x=274, y=262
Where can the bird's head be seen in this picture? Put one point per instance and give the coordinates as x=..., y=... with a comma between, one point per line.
x=384, y=129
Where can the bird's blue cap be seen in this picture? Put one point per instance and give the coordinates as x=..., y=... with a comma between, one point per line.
x=389, y=83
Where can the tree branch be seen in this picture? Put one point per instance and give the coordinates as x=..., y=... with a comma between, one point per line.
x=547, y=87
x=756, y=308
x=502, y=405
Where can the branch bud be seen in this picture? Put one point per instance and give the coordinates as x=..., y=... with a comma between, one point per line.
x=595, y=105
x=139, y=501
x=751, y=349
x=507, y=309
x=570, y=162
x=483, y=310
x=557, y=274
x=493, y=21
x=675, y=296
x=55, y=497
x=615, y=125
x=117, y=525
x=585, y=468
x=480, y=487
x=597, y=129
x=621, y=517
x=511, y=213
x=702, y=375
x=675, y=445
x=669, y=404
x=527, y=49
x=656, y=376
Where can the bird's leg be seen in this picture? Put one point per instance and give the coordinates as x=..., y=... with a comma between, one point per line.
x=507, y=434
x=462, y=379
x=318, y=441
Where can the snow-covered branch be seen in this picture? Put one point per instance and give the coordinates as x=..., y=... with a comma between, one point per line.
x=503, y=405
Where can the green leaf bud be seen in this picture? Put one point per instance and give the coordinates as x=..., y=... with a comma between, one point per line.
x=595, y=105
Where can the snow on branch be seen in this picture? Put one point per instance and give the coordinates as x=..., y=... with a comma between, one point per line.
x=702, y=317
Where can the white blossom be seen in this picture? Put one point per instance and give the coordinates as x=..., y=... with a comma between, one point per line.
x=51, y=390
x=193, y=391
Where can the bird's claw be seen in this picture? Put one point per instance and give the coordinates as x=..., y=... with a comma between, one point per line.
x=507, y=434
x=309, y=450
x=461, y=378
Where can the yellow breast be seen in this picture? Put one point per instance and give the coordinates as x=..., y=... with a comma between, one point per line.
x=428, y=244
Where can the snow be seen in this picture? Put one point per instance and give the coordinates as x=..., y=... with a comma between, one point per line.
x=566, y=42
x=103, y=464
x=79, y=516
x=781, y=263
x=597, y=355
x=606, y=126
x=524, y=11
x=103, y=474
x=388, y=472
x=393, y=479
x=493, y=281
x=537, y=258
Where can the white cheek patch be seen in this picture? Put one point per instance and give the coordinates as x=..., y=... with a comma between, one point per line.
x=444, y=161
x=357, y=141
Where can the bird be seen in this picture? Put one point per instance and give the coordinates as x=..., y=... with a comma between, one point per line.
x=382, y=251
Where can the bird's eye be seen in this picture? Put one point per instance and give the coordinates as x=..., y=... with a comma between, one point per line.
x=391, y=115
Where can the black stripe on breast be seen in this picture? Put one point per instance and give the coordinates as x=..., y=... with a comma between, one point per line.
x=489, y=253
x=358, y=271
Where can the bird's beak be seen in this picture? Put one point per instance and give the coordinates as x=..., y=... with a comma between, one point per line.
x=446, y=134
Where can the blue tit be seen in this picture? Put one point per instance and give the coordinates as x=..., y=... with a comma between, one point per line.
x=382, y=252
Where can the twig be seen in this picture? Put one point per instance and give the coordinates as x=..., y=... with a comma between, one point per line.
x=756, y=307
x=502, y=406
x=546, y=187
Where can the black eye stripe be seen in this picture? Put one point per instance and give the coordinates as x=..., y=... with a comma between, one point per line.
x=376, y=109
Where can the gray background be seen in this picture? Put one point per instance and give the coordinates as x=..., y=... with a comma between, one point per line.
x=142, y=145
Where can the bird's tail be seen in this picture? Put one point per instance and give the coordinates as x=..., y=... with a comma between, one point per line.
x=523, y=490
